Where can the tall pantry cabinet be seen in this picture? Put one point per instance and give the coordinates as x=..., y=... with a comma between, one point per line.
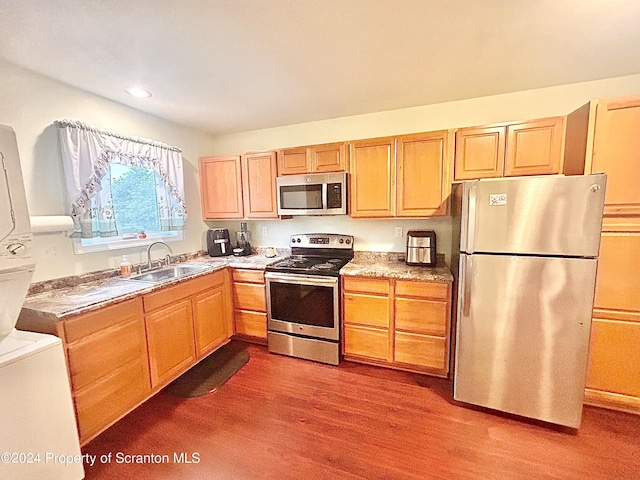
x=613, y=378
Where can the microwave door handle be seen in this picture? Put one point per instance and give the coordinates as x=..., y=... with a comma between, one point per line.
x=324, y=197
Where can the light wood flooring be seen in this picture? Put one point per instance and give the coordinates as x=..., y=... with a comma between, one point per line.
x=285, y=418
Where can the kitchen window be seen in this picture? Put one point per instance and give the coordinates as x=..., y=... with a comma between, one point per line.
x=124, y=191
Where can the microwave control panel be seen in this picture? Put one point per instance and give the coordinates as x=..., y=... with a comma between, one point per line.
x=334, y=195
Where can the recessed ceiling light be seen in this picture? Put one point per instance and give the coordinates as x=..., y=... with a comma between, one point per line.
x=138, y=92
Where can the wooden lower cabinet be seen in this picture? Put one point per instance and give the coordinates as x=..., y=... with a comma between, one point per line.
x=120, y=355
x=213, y=315
x=171, y=341
x=613, y=377
x=398, y=323
x=367, y=342
x=108, y=365
x=250, y=305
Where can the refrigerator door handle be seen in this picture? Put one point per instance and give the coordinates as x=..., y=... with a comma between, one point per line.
x=466, y=286
x=471, y=217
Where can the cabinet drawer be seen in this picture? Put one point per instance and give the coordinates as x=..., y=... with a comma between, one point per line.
x=421, y=316
x=109, y=399
x=366, y=342
x=421, y=350
x=614, y=358
x=93, y=322
x=366, y=310
x=100, y=354
x=169, y=295
x=248, y=296
x=436, y=290
x=366, y=285
x=248, y=276
x=253, y=324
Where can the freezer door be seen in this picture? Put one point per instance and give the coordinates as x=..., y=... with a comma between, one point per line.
x=14, y=285
x=523, y=334
x=545, y=215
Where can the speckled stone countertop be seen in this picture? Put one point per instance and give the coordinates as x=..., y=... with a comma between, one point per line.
x=41, y=310
x=392, y=265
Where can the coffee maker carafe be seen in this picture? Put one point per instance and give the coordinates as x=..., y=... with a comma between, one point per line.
x=244, y=241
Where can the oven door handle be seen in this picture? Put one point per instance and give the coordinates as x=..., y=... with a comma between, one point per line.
x=301, y=279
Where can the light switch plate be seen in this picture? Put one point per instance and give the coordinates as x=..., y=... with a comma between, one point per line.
x=264, y=231
x=398, y=232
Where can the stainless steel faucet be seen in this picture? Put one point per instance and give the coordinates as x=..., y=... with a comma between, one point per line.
x=149, y=253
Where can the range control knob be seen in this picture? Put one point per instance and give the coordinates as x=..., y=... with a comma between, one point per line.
x=298, y=240
x=348, y=241
x=341, y=240
x=16, y=248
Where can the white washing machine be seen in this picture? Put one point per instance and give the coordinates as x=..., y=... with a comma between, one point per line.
x=38, y=436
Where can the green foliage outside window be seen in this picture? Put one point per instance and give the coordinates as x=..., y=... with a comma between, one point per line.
x=134, y=199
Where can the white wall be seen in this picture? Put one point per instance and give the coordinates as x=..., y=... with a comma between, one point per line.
x=30, y=103
x=379, y=234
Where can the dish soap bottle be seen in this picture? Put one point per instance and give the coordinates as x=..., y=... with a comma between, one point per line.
x=125, y=267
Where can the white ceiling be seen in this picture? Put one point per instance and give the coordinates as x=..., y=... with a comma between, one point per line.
x=234, y=65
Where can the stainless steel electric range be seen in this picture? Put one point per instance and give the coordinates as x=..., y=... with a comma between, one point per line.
x=303, y=297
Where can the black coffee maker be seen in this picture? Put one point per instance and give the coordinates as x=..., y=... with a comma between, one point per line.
x=218, y=242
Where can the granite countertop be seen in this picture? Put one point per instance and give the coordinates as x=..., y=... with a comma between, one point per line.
x=41, y=310
x=64, y=298
x=392, y=265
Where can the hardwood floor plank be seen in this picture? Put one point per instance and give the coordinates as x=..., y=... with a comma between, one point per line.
x=284, y=418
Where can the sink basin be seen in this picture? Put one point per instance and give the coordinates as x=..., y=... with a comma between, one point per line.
x=168, y=273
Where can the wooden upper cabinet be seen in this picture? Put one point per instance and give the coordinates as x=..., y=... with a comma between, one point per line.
x=423, y=185
x=259, y=185
x=293, y=161
x=372, y=167
x=616, y=151
x=330, y=157
x=480, y=153
x=534, y=148
x=545, y=146
x=221, y=187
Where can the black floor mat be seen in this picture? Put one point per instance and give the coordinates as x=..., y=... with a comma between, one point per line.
x=212, y=372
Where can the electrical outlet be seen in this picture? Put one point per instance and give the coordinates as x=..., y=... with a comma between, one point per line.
x=264, y=231
x=398, y=232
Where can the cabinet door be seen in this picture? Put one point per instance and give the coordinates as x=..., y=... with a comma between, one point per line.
x=210, y=320
x=367, y=342
x=171, y=341
x=616, y=151
x=423, y=188
x=479, y=153
x=370, y=310
x=534, y=148
x=293, y=161
x=421, y=350
x=221, y=187
x=373, y=177
x=259, y=181
x=331, y=157
x=614, y=362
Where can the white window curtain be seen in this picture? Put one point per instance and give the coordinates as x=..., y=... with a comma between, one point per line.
x=88, y=152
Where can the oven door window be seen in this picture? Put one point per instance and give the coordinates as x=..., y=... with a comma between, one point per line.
x=304, y=304
x=301, y=197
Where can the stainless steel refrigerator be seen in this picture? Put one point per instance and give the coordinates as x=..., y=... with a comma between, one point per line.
x=526, y=281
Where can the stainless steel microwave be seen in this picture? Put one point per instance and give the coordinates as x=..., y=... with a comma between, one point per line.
x=313, y=194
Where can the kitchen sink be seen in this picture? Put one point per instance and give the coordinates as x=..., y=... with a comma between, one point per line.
x=168, y=273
